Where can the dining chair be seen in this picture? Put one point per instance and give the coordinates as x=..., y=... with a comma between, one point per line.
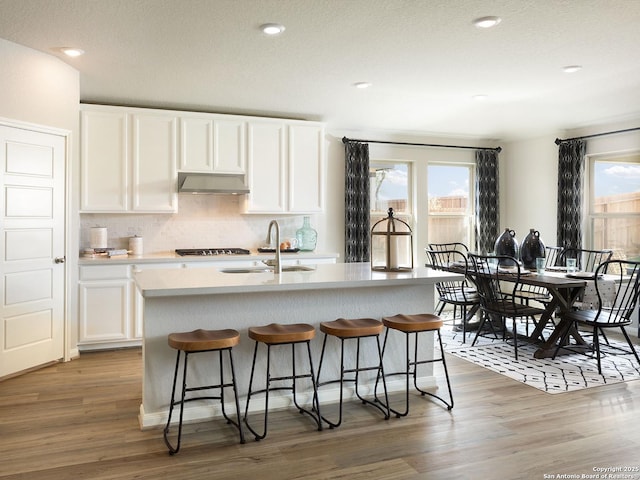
x=552, y=256
x=459, y=293
x=443, y=247
x=611, y=312
x=586, y=260
x=498, y=288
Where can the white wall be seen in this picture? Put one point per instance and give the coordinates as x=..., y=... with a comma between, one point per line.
x=42, y=90
x=529, y=187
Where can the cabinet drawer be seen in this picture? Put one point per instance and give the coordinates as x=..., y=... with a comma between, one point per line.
x=104, y=272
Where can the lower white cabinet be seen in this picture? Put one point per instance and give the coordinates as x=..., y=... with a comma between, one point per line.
x=110, y=306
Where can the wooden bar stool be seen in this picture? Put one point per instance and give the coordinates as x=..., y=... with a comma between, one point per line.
x=201, y=341
x=354, y=329
x=416, y=324
x=276, y=335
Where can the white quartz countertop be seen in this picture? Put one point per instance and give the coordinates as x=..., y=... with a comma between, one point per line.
x=210, y=281
x=172, y=257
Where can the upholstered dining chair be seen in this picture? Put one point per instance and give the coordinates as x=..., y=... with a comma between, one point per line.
x=461, y=294
x=610, y=312
x=498, y=288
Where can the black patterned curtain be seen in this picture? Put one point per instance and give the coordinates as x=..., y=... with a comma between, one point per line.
x=570, y=192
x=487, y=200
x=356, y=202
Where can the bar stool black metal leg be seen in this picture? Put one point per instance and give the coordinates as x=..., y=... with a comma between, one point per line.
x=383, y=408
x=238, y=423
x=259, y=436
x=173, y=450
x=448, y=404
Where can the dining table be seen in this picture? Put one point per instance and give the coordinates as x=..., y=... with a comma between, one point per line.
x=563, y=292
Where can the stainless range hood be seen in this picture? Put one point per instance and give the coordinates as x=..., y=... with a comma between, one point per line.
x=211, y=183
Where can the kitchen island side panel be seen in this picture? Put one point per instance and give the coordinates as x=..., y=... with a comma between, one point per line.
x=166, y=314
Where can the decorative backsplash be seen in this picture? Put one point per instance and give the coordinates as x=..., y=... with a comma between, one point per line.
x=203, y=221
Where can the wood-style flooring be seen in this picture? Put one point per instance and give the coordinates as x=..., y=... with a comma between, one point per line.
x=78, y=420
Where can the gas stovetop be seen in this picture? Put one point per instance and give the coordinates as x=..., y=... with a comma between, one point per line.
x=211, y=251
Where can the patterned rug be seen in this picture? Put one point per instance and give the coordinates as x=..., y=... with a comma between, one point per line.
x=564, y=374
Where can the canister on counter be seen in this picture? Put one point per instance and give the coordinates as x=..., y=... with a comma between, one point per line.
x=135, y=245
x=98, y=238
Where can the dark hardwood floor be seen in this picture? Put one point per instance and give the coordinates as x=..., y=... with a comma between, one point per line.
x=78, y=420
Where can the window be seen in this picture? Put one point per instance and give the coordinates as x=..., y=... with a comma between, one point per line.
x=451, y=203
x=390, y=189
x=614, y=205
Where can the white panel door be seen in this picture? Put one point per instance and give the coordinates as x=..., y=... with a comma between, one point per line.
x=32, y=284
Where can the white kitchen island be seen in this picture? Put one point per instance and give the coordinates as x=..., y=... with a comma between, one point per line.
x=181, y=300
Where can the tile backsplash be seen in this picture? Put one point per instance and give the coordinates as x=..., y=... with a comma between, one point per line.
x=203, y=221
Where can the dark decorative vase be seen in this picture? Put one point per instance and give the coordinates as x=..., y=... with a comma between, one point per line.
x=507, y=244
x=531, y=248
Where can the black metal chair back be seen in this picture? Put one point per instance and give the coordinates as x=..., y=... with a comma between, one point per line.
x=459, y=293
x=496, y=295
x=587, y=260
x=452, y=290
x=619, y=308
x=441, y=247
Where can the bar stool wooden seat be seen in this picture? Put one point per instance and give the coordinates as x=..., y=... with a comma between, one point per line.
x=353, y=329
x=273, y=335
x=201, y=341
x=415, y=324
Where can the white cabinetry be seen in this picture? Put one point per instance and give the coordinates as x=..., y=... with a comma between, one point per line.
x=105, y=305
x=110, y=306
x=128, y=160
x=285, y=167
x=212, y=143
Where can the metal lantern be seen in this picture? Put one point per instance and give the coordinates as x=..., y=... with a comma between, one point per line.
x=391, y=245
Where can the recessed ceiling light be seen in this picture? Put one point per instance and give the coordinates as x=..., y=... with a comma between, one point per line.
x=272, y=28
x=72, y=51
x=487, y=22
x=571, y=68
x=480, y=97
x=362, y=84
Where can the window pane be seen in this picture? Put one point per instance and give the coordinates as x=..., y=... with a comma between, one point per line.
x=449, y=229
x=448, y=188
x=616, y=188
x=615, y=211
x=389, y=187
x=622, y=235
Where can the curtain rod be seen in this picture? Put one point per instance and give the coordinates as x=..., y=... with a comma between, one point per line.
x=559, y=141
x=347, y=140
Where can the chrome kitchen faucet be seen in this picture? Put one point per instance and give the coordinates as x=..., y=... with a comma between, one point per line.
x=277, y=267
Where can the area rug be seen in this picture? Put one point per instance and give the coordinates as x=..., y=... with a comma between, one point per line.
x=564, y=374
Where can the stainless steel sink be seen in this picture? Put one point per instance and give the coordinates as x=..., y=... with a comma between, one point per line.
x=286, y=268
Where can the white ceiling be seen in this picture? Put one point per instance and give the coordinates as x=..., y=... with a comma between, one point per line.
x=424, y=58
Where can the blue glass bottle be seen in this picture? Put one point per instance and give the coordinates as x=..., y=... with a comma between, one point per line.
x=306, y=236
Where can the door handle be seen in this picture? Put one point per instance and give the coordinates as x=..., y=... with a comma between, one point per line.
x=59, y=260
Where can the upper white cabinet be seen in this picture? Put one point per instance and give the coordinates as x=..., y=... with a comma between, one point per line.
x=128, y=160
x=212, y=143
x=285, y=166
